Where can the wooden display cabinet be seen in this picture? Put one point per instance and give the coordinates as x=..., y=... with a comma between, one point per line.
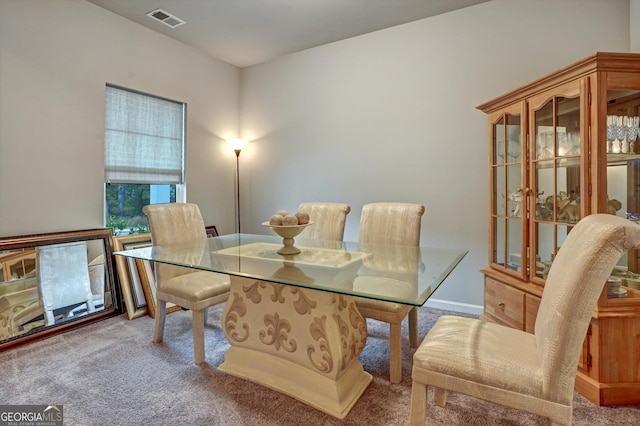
x=561, y=148
x=17, y=264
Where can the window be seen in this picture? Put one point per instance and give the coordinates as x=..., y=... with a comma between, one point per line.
x=144, y=156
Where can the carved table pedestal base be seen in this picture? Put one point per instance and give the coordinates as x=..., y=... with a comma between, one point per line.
x=302, y=342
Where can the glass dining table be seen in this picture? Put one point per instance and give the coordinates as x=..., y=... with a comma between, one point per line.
x=291, y=320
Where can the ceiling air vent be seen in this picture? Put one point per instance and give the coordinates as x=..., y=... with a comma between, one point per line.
x=166, y=18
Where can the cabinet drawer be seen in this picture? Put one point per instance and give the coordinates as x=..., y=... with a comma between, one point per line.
x=505, y=303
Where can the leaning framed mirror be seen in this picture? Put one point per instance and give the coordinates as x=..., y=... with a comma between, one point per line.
x=50, y=283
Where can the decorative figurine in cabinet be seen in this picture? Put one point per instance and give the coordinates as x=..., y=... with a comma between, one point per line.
x=560, y=148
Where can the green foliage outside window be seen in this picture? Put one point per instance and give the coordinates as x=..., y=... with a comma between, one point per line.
x=124, y=203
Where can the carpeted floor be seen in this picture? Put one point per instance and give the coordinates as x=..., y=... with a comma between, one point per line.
x=110, y=373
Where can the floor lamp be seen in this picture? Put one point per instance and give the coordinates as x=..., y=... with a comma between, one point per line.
x=237, y=145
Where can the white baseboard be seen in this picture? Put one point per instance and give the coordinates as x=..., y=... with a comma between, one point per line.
x=454, y=306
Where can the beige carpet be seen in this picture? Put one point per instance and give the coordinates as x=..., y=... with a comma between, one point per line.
x=110, y=373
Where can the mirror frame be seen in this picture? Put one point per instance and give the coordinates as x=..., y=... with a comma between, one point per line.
x=126, y=273
x=110, y=287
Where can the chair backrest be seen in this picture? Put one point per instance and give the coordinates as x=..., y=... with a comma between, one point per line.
x=173, y=223
x=329, y=220
x=63, y=277
x=391, y=223
x=574, y=283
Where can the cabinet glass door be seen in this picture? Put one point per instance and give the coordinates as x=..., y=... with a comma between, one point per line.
x=17, y=264
x=623, y=181
x=508, y=209
x=556, y=173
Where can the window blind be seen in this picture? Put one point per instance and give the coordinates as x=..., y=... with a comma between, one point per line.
x=144, y=138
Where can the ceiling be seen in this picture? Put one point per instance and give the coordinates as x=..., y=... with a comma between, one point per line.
x=248, y=32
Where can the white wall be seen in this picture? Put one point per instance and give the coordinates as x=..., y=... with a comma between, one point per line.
x=634, y=25
x=390, y=116
x=55, y=58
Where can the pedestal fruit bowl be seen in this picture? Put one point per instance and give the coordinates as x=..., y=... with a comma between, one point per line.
x=288, y=233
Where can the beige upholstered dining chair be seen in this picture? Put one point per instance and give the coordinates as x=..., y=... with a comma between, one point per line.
x=328, y=220
x=532, y=372
x=172, y=224
x=55, y=264
x=395, y=224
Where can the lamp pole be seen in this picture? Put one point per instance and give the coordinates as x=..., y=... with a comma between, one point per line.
x=237, y=151
x=237, y=145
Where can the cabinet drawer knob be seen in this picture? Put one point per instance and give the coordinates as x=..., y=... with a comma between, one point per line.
x=501, y=304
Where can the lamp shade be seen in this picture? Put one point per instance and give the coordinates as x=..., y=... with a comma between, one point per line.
x=237, y=144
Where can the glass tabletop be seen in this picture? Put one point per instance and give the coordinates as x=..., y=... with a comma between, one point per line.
x=403, y=274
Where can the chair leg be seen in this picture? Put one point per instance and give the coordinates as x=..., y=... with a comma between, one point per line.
x=198, y=336
x=418, y=403
x=439, y=397
x=413, y=327
x=49, y=319
x=395, y=362
x=161, y=310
